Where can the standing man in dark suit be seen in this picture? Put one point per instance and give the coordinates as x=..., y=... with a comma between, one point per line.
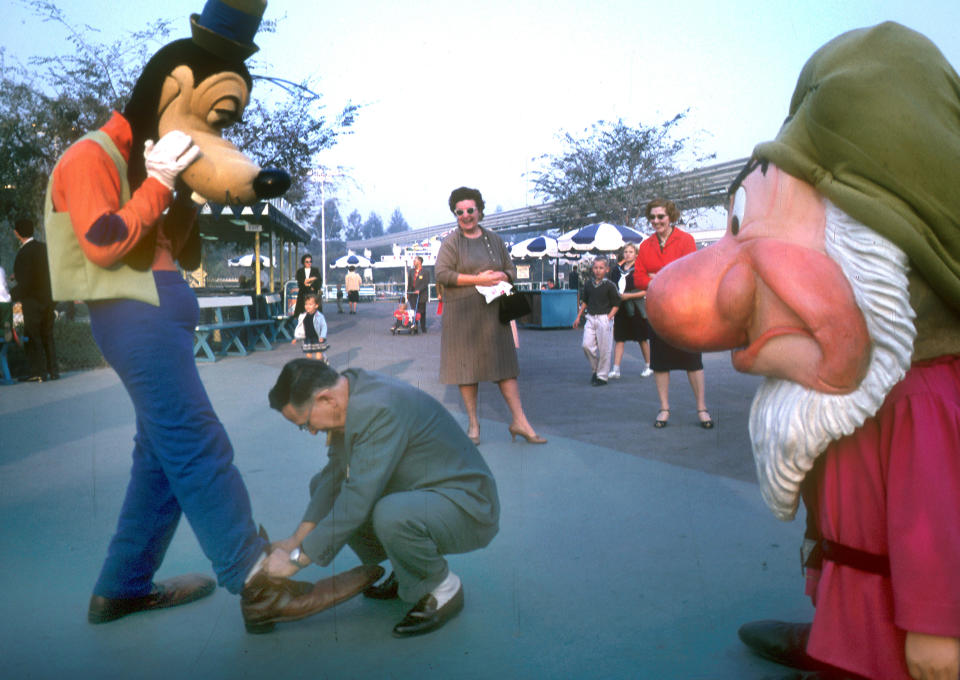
x=419, y=291
x=32, y=290
x=402, y=482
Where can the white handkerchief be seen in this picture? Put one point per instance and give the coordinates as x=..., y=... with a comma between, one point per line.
x=491, y=293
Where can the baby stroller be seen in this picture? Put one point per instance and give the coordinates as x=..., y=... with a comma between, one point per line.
x=406, y=322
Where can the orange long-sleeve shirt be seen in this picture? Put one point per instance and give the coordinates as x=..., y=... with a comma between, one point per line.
x=86, y=185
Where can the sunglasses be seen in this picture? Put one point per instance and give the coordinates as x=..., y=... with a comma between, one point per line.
x=469, y=211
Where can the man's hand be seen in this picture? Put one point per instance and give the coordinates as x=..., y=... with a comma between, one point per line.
x=279, y=564
x=286, y=544
x=166, y=159
x=932, y=657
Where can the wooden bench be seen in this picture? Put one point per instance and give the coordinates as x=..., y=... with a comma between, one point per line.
x=239, y=334
x=281, y=322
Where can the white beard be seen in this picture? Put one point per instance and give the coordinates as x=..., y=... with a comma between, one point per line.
x=790, y=425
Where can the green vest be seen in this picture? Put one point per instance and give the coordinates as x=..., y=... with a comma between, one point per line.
x=72, y=275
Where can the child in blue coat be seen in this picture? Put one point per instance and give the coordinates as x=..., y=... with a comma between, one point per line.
x=312, y=329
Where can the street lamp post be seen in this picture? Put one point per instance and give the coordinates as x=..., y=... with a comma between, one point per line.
x=324, y=174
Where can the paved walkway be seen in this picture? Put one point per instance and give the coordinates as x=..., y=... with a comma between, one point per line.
x=624, y=552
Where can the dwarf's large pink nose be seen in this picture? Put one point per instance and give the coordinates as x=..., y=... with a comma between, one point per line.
x=703, y=302
x=789, y=308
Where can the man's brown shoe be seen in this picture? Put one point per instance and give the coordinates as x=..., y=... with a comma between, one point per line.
x=266, y=601
x=170, y=593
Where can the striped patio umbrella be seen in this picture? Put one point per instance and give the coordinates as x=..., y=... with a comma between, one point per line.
x=351, y=260
x=601, y=237
x=247, y=261
x=535, y=248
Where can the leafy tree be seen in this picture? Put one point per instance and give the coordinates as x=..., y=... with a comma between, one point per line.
x=53, y=101
x=608, y=172
x=290, y=134
x=333, y=222
x=373, y=227
x=354, y=229
x=397, y=223
x=334, y=228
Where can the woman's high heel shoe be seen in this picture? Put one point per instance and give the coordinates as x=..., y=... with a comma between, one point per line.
x=531, y=438
x=660, y=424
x=475, y=438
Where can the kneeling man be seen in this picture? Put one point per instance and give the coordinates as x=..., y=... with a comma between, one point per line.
x=402, y=482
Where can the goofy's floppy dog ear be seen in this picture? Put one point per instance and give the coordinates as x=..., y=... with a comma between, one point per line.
x=173, y=86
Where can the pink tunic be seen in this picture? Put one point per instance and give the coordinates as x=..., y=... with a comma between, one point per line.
x=893, y=488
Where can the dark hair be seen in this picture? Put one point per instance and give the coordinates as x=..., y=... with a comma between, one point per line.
x=351, y=268
x=24, y=227
x=309, y=296
x=669, y=206
x=465, y=194
x=418, y=258
x=303, y=260
x=298, y=381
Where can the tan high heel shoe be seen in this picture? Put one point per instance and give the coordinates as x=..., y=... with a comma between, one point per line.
x=475, y=438
x=531, y=438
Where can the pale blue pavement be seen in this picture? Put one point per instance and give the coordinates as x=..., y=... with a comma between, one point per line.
x=609, y=564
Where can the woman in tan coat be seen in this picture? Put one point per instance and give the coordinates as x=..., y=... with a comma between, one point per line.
x=474, y=345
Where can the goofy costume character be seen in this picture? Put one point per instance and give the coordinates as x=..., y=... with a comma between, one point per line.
x=120, y=212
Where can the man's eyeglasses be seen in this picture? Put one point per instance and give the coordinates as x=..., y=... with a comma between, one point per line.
x=305, y=427
x=469, y=211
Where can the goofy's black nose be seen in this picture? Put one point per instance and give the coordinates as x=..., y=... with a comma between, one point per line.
x=271, y=182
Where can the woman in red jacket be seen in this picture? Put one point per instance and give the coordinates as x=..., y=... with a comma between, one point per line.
x=668, y=243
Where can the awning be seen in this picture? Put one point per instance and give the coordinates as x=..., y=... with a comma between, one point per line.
x=238, y=223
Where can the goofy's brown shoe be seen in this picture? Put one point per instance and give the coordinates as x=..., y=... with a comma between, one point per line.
x=267, y=601
x=169, y=593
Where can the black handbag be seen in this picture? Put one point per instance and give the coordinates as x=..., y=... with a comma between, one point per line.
x=513, y=306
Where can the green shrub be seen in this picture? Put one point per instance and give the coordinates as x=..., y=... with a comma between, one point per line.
x=75, y=346
x=73, y=343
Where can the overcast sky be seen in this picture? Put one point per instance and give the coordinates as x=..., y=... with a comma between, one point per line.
x=469, y=93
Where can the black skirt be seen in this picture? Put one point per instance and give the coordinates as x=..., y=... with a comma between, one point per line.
x=665, y=357
x=627, y=328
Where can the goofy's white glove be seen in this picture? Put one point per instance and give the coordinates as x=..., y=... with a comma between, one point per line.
x=166, y=159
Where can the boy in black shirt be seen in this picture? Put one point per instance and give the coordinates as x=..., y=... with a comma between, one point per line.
x=600, y=301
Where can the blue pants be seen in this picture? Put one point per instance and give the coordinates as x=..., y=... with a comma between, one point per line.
x=182, y=458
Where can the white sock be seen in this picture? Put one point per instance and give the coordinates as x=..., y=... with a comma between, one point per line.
x=256, y=568
x=447, y=589
x=616, y=368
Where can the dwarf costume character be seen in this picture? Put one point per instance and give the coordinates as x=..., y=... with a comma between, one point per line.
x=119, y=215
x=839, y=279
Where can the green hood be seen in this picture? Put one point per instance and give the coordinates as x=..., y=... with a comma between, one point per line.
x=874, y=125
